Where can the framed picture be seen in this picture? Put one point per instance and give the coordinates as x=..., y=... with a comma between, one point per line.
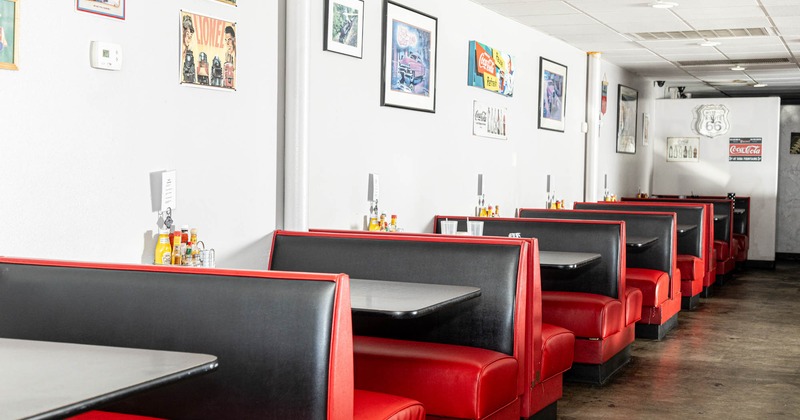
x=344, y=27
x=645, y=129
x=408, y=76
x=552, y=94
x=627, y=111
x=9, y=22
x=683, y=149
x=208, y=52
x=110, y=8
x=794, y=144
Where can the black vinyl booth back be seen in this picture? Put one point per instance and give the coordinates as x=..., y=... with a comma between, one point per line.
x=690, y=243
x=603, y=238
x=272, y=337
x=658, y=256
x=492, y=267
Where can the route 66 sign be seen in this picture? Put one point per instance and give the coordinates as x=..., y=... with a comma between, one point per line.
x=712, y=120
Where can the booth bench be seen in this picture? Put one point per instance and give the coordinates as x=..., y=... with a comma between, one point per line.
x=650, y=267
x=591, y=301
x=283, y=340
x=489, y=357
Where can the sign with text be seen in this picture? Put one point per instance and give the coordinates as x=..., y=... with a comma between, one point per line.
x=744, y=149
x=488, y=121
x=490, y=69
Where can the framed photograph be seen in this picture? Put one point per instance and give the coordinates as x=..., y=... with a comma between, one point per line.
x=794, y=144
x=207, y=52
x=627, y=111
x=645, y=129
x=9, y=22
x=408, y=76
x=110, y=8
x=683, y=149
x=552, y=94
x=344, y=27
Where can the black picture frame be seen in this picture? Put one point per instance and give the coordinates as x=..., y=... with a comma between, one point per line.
x=344, y=27
x=408, y=61
x=627, y=119
x=552, y=95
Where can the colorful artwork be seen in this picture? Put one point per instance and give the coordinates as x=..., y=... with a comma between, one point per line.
x=552, y=95
x=490, y=69
x=110, y=8
x=9, y=20
x=208, y=51
x=409, y=59
x=344, y=27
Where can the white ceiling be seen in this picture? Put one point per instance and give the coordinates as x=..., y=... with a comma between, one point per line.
x=644, y=40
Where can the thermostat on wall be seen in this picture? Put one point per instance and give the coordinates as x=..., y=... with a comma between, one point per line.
x=106, y=56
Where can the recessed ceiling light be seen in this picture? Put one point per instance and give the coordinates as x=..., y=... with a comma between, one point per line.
x=709, y=43
x=663, y=4
x=760, y=85
x=738, y=68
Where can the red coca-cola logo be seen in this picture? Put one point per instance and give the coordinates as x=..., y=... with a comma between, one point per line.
x=486, y=63
x=745, y=150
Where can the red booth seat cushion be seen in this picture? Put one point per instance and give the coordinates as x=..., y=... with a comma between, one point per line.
x=368, y=405
x=691, y=267
x=654, y=285
x=723, y=250
x=633, y=304
x=558, y=348
x=585, y=314
x=107, y=415
x=449, y=380
x=743, y=245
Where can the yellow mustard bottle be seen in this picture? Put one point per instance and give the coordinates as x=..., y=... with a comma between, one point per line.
x=163, y=253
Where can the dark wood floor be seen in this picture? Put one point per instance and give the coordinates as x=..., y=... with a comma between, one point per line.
x=736, y=357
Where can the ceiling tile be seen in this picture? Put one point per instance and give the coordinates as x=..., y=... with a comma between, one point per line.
x=751, y=22
x=511, y=9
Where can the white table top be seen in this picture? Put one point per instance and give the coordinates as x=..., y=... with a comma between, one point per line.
x=42, y=380
x=403, y=299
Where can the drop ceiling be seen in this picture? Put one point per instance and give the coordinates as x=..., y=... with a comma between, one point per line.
x=763, y=36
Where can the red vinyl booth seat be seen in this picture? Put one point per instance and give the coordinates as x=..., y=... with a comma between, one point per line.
x=586, y=314
x=465, y=382
x=743, y=245
x=558, y=348
x=691, y=267
x=654, y=285
x=370, y=405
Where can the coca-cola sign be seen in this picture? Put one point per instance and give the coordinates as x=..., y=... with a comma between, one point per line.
x=745, y=149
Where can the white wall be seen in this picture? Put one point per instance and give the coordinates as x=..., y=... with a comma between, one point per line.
x=789, y=184
x=78, y=144
x=714, y=174
x=627, y=173
x=428, y=163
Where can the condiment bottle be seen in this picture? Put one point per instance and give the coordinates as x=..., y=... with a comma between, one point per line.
x=393, y=226
x=184, y=234
x=176, y=250
x=163, y=252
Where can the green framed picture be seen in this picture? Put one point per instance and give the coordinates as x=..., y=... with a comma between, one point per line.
x=9, y=22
